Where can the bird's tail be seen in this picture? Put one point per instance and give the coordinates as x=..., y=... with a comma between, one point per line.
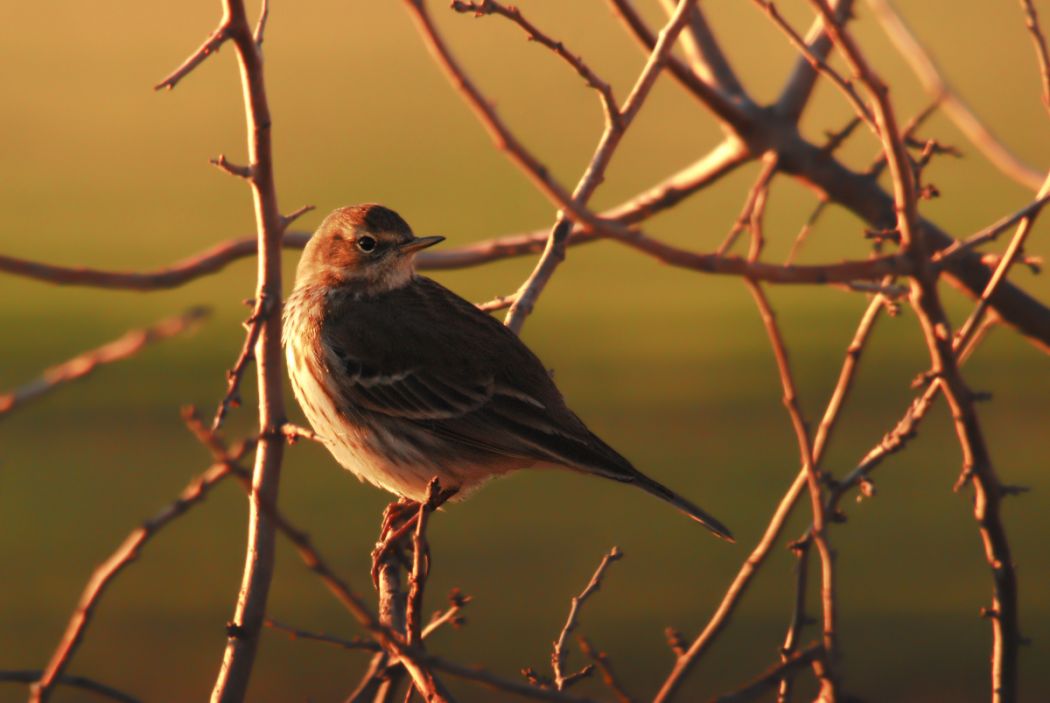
x=683, y=505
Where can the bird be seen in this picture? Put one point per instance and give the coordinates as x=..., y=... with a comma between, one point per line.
x=404, y=381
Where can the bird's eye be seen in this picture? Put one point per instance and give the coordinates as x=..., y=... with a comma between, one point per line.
x=366, y=243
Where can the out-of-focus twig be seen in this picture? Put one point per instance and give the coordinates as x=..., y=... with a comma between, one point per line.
x=1031, y=22
x=81, y=365
x=128, y=551
x=954, y=106
x=30, y=676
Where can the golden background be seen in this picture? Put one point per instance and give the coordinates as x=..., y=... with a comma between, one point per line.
x=671, y=367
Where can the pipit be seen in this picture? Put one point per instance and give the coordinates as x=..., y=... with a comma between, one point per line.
x=405, y=381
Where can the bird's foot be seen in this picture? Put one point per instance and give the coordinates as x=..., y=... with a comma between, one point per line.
x=398, y=519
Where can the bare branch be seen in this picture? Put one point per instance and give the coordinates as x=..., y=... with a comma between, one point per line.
x=960, y=113
x=492, y=7
x=226, y=166
x=1031, y=22
x=810, y=466
x=705, y=54
x=799, y=86
x=799, y=619
x=84, y=364
x=594, y=174
x=450, y=615
x=992, y=231
x=1013, y=251
x=497, y=129
x=817, y=63
x=260, y=26
x=732, y=116
x=560, y=653
x=234, y=376
x=128, y=551
x=601, y=662
x=686, y=658
x=357, y=643
x=246, y=624
x=32, y=675
x=209, y=47
x=977, y=463
x=768, y=680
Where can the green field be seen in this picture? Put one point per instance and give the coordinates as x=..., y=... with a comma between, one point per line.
x=671, y=367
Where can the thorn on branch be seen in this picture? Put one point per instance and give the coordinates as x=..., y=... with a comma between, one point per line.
x=237, y=632
x=294, y=215
x=224, y=165
x=293, y=433
x=676, y=641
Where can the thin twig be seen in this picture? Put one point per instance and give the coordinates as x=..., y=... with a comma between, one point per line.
x=1008, y=259
x=30, y=676
x=977, y=463
x=799, y=619
x=810, y=466
x=751, y=202
x=128, y=551
x=954, y=106
x=234, y=376
x=1031, y=23
x=601, y=662
x=725, y=108
x=991, y=232
x=126, y=346
x=705, y=55
x=799, y=86
x=818, y=63
x=293, y=633
x=559, y=653
x=615, y=127
x=209, y=47
x=687, y=657
x=492, y=7
x=769, y=679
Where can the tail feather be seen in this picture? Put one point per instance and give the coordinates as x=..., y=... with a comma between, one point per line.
x=660, y=491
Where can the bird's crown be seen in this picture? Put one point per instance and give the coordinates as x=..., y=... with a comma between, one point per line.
x=368, y=245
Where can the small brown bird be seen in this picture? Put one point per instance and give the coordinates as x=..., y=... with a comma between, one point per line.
x=403, y=380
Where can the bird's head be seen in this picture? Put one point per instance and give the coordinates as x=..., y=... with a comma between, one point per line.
x=368, y=246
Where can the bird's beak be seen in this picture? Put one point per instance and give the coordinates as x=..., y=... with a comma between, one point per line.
x=418, y=244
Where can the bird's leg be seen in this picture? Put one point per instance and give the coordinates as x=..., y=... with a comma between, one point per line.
x=398, y=519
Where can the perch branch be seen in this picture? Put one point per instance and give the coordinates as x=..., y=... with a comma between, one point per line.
x=246, y=624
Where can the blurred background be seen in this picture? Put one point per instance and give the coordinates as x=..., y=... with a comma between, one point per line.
x=671, y=367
